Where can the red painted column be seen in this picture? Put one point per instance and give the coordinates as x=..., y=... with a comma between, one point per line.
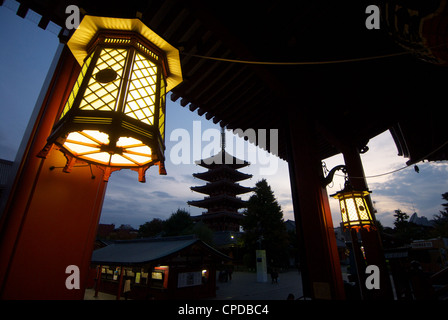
x=50, y=219
x=99, y=276
x=320, y=266
x=371, y=240
x=120, y=284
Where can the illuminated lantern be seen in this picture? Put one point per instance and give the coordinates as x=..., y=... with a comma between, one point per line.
x=354, y=209
x=114, y=116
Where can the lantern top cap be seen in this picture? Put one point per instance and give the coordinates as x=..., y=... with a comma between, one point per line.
x=348, y=192
x=90, y=25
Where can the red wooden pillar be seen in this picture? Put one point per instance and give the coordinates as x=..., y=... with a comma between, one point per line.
x=99, y=275
x=320, y=266
x=50, y=219
x=120, y=284
x=371, y=240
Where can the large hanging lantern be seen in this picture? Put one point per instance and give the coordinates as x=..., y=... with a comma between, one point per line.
x=354, y=209
x=115, y=115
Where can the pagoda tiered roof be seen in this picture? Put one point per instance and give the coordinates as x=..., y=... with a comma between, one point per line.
x=224, y=185
x=221, y=158
x=222, y=201
x=222, y=172
x=220, y=214
x=222, y=204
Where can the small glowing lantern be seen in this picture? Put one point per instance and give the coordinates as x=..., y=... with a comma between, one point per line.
x=114, y=116
x=354, y=209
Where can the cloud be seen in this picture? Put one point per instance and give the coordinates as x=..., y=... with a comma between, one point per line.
x=405, y=189
x=128, y=201
x=162, y=195
x=412, y=192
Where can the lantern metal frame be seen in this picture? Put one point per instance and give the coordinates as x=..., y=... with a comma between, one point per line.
x=144, y=61
x=355, y=211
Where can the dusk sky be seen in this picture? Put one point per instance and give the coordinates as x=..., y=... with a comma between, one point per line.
x=26, y=55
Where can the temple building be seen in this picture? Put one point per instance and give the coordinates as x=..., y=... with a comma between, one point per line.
x=181, y=267
x=222, y=190
x=328, y=91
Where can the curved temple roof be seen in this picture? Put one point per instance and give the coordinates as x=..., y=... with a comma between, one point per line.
x=141, y=251
x=350, y=101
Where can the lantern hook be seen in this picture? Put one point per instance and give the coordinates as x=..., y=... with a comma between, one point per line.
x=327, y=180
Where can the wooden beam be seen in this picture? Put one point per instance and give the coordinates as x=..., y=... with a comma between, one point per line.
x=22, y=10
x=227, y=90
x=184, y=102
x=43, y=23
x=209, y=77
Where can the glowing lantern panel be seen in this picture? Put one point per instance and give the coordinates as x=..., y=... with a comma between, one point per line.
x=354, y=209
x=114, y=116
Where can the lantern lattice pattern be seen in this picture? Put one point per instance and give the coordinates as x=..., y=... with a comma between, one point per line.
x=354, y=209
x=114, y=116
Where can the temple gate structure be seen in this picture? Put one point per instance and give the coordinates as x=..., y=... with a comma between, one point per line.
x=310, y=69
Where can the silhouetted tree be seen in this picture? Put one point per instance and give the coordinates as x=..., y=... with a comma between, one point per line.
x=123, y=232
x=402, y=226
x=151, y=228
x=203, y=233
x=264, y=226
x=400, y=219
x=179, y=223
x=441, y=220
x=406, y=231
x=445, y=205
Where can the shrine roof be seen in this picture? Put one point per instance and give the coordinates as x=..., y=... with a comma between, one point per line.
x=140, y=251
x=350, y=83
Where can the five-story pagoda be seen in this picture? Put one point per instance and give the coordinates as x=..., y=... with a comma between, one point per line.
x=222, y=188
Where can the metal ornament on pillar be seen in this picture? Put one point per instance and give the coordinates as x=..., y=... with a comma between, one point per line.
x=355, y=210
x=114, y=116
